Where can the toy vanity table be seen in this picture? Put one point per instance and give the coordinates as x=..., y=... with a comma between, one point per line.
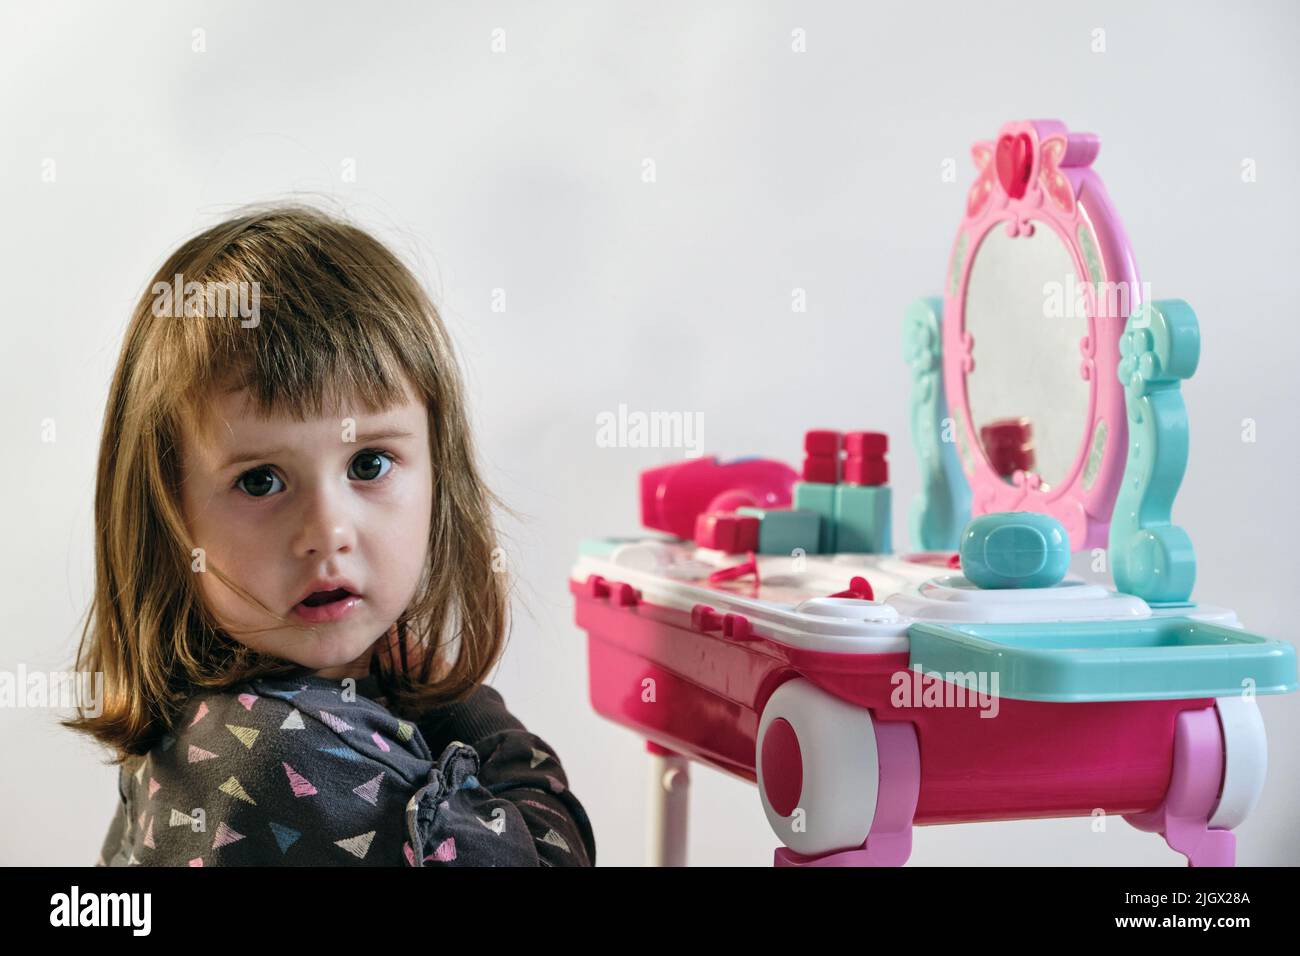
x=772, y=632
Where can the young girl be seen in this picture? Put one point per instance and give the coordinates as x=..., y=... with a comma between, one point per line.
x=298, y=593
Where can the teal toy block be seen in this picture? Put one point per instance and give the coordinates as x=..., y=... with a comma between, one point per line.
x=862, y=519
x=782, y=530
x=818, y=497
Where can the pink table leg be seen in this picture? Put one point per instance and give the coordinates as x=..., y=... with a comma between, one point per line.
x=1183, y=817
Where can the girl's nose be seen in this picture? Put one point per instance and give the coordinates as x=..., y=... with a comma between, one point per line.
x=326, y=527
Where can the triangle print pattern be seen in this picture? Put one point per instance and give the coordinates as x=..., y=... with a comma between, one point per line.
x=178, y=819
x=245, y=735
x=446, y=851
x=225, y=836
x=338, y=723
x=301, y=786
x=554, y=839
x=285, y=837
x=369, y=791
x=236, y=789
x=358, y=846
x=343, y=753
x=197, y=754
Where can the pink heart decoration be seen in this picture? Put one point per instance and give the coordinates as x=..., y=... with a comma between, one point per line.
x=1013, y=159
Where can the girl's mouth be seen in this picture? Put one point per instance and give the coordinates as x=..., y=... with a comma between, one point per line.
x=322, y=607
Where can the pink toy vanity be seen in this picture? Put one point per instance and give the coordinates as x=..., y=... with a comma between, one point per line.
x=866, y=692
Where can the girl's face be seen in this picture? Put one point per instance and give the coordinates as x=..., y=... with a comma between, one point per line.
x=288, y=508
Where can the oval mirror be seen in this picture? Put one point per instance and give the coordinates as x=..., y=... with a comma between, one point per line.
x=1040, y=283
x=1028, y=400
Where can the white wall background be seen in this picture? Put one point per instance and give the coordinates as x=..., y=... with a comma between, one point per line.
x=522, y=170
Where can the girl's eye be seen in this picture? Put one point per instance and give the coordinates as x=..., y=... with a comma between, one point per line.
x=369, y=466
x=258, y=483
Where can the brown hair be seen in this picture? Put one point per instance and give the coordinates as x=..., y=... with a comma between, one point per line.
x=340, y=319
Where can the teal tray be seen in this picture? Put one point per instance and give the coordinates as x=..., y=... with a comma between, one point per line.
x=1164, y=658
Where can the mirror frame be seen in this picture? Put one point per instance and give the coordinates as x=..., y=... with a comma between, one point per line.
x=1036, y=175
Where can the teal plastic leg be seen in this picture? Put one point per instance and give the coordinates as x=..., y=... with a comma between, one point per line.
x=1150, y=556
x=942, y=508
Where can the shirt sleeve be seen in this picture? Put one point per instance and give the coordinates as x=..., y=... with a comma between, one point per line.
x=519, y=784
x=278, y=774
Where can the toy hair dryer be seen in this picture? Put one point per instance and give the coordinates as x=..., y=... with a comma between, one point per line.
x=672, y=496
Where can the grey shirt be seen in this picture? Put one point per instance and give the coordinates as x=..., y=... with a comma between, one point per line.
x=299, y=772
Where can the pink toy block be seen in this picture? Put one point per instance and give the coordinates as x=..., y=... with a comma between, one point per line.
x=822, y=464
x=866, y=444
x=866, y=471
x=822, y=443
x=865, y=462
x=823, y=470
x=727, y=532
